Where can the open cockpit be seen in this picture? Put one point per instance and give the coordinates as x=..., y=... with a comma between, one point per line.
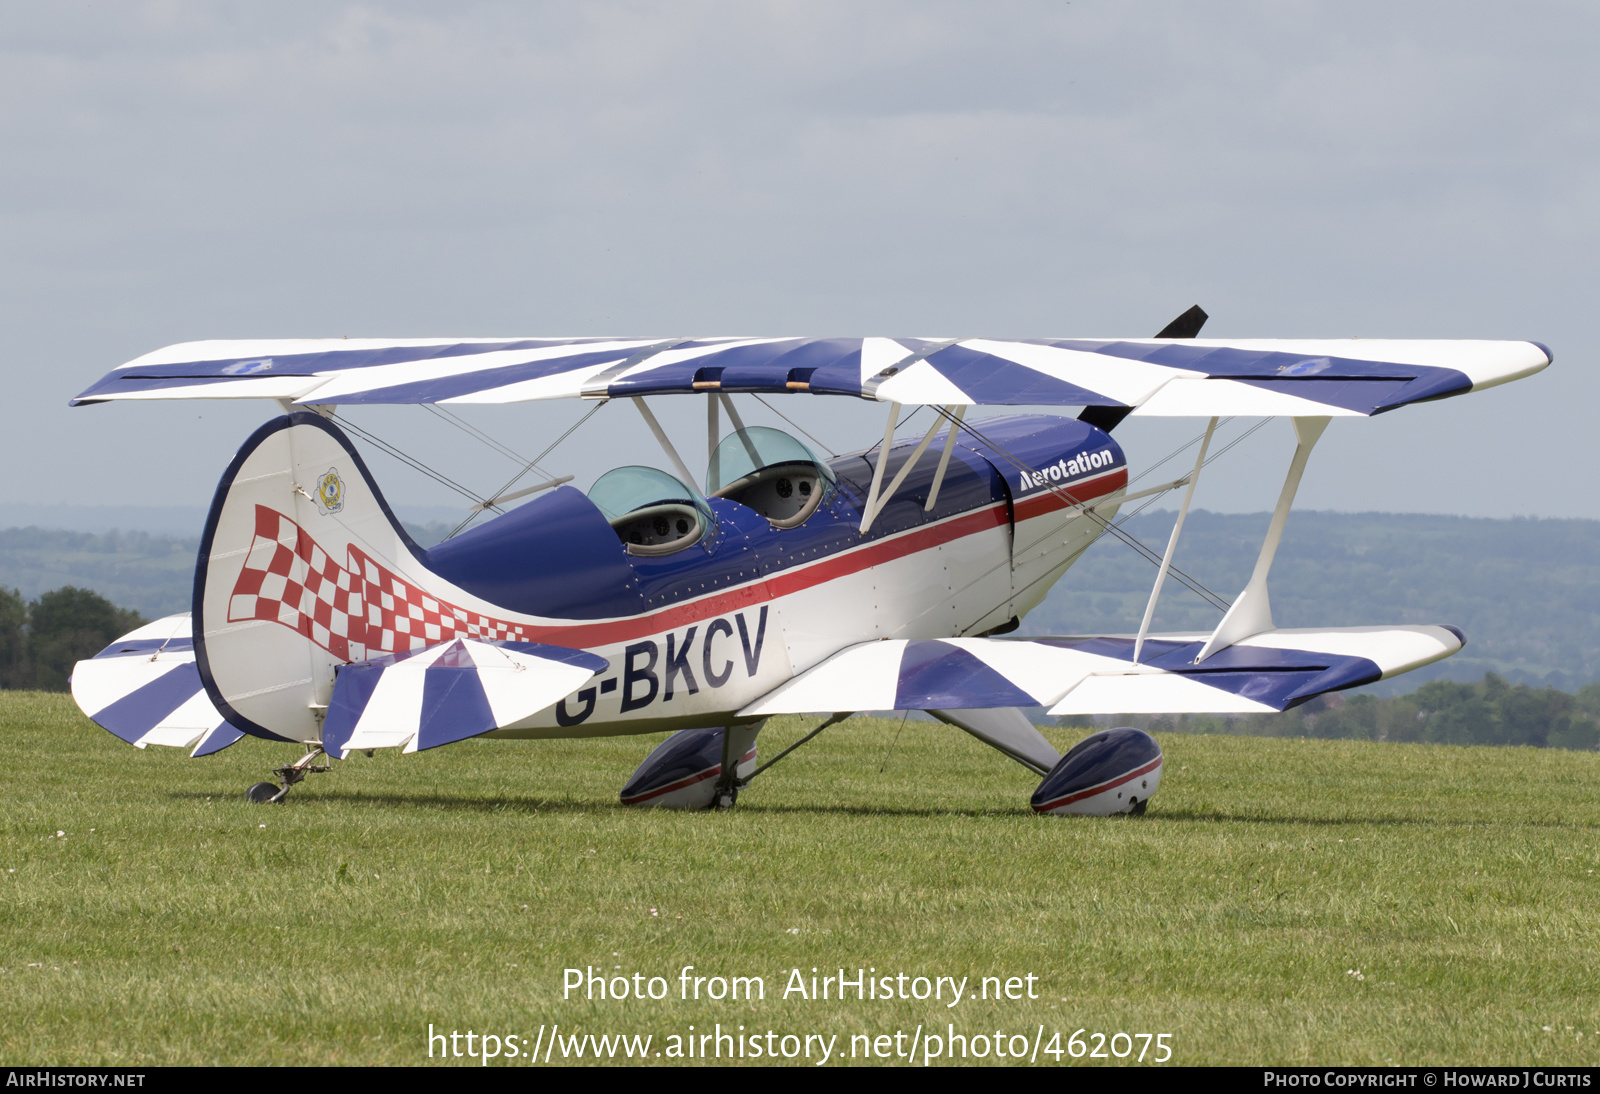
x=652, y=512
x=763, y=469
x=769, y=471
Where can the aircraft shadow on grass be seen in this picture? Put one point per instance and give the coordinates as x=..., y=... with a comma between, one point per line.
x=1209, y=816
x=531, y=805
x=1169, y=816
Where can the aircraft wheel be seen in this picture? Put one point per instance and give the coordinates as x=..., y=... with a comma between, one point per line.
x=1139, y=808
x=725, y=799
x=262, y=792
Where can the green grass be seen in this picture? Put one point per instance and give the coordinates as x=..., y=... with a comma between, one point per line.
x=169, y=926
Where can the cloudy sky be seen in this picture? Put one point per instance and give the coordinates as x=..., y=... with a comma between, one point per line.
x=178, y=170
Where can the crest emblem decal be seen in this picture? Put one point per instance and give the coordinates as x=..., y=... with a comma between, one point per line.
x=330, y=492
x=1306, y=368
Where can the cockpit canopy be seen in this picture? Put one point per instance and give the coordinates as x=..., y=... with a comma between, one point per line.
x=770, y=472
x=653, y=512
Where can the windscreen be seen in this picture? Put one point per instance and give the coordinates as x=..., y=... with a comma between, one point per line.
x=747, y=450
x=627, y=489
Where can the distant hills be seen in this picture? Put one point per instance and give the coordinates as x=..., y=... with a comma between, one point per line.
x=1525, y=591
x=150, y=573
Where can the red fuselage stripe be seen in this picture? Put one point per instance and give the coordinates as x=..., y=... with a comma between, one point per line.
x=788, y=582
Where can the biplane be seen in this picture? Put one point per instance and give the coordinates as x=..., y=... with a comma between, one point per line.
x=779, y=580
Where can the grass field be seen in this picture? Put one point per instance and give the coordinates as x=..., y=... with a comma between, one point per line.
x=173, y=923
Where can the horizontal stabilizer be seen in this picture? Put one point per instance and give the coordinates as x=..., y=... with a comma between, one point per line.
x=1096, y=674
x=1180, y=375
x=448, y=692
x=145, y=689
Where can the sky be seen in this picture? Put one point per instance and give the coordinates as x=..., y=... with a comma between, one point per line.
x=186, y=170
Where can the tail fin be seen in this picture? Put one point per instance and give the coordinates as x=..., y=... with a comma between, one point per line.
x=303, y=567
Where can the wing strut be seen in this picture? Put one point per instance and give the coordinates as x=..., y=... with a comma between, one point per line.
x=877, y=497
x=661, y=437
x=713, y=435
x=877, y=472
x=944, y=460
x=1172, y=542
x=1252, y=612
x=515, y=494
x=739, y=431
x=833, y=719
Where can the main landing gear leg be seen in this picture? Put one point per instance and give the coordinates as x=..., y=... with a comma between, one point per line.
x=740, y=784
x=737, y=743
x=288, y=775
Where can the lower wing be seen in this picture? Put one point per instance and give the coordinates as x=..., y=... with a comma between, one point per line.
x=1096, y=674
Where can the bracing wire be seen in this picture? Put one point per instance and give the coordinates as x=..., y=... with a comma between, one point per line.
x=1156, y=497
x=1210, y=459
x=473, y=431
x=1225, y=449
x=531, y=464
x=1100, y=520
x=1124, y=518
x=890, y=754
x=897, y=426
x=1185, y=579
x=794, y=423
x=417, y=465
x=1182, y=448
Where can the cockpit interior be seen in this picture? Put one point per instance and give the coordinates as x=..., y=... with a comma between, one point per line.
x=769, y=471
x=764, y=469
x=652, y=512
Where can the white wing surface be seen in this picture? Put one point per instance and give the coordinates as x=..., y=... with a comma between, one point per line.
x=1149, y=376
x=145, y=689
x=1269, y=672
x=448, y=692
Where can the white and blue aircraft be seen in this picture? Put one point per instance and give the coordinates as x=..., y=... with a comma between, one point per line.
x=778, y=583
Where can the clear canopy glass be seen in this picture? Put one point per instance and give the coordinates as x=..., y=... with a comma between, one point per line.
x=747, y=450
x=628, y=489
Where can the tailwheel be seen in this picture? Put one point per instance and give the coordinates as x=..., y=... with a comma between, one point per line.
x=1139, y=807
x=290, y=774
x=725, y=798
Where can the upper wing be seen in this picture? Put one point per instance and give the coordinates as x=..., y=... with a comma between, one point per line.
x=145, y=689
x=448, y=692
x=1154, y=376
x=1266, y=673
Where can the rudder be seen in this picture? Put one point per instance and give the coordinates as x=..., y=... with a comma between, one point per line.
x=303, y=567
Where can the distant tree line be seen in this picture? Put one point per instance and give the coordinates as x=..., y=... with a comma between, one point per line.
x=1490, y=712
x=40, y=640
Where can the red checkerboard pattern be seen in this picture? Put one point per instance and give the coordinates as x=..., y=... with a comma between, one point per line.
x=354, y=611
